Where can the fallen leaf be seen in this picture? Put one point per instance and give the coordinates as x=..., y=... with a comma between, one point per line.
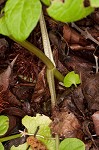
x=95, y=118
x=5, y=76
x=41, y=89
x=91, y=91
x=66, y=125
x=35, y=143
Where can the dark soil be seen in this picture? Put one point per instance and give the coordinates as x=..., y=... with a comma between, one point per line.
x=24, y=89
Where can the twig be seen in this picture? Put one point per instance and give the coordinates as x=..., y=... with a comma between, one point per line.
x=96, y=61
x=85, y=33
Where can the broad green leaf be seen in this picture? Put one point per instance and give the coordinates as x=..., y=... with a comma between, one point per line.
x=72, y=144
x=71, y=78
x=3, y=27
x=94, y=3
x=20, y=147
x=31, y=123
x=69, y=10
x=1, y=146
x=46, y=2
x=4, y=124
x=21, y=16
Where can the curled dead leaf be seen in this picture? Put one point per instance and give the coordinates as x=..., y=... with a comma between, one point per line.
x=5, y=76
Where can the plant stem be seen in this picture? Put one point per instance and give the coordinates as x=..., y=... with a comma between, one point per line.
x=45, y=38
x=57, y=141
x=50, y=79
x=48, y=53
x=30, y=47
x=10, y=137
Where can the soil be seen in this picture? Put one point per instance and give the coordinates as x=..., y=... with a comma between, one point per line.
x=24, y=89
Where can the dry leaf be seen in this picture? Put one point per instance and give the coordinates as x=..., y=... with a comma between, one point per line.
x=95, y=118
x=66, y=125
x=5, y=76
x=35, y=143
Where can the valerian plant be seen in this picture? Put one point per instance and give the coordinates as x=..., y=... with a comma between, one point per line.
x=21, y=17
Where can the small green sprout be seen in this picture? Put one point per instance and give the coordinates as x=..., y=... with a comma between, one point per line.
x=71, y=78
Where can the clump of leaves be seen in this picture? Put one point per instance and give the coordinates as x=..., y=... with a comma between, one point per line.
x=43, y=137
x=71, y=78
x=44, y=133
x=27, y=14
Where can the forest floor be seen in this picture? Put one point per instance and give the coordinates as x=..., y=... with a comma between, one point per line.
x=24, y=89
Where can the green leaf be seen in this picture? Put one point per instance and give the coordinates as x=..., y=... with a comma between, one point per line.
x=20, y=147
x=3, y=27
x=21, y=16
x=72, y=144
x=31, y=123
x=69, y=10
x=46, y=2
x=94, y=3
x=71, y=78
x=1, y=146
x=4, y=124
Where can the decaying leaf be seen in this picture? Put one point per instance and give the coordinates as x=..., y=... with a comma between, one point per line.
x=72, y=37
x=41, y=89
x=35, y=143
x=66, y=124
x=95, y=118
x=91, y=92
x=5, y=76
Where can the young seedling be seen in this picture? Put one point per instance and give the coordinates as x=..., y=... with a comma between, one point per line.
x=71, y=78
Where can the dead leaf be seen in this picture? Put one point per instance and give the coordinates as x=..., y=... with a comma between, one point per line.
x=71, y=36
x=66, y=125
x=91, y=91
x=14, y=112
x=3, y=44
x=5, y=76
x=95, y=118
x=86, y=129
x=35, y=143
x=78, y=99
x=41, y=88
